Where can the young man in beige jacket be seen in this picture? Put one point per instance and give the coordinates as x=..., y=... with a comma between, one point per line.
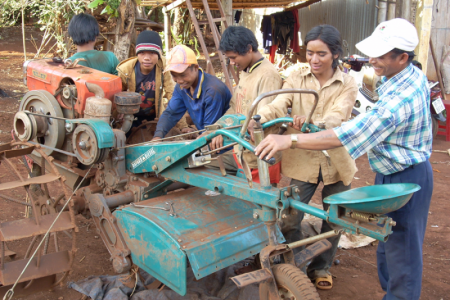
x=144, y=74
x=337, y=94
x=257, y=76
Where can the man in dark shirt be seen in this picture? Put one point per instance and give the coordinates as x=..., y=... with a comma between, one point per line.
x=204, y=96
x=143, y=74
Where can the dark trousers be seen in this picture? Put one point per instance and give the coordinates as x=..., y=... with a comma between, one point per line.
x=399, y=260
x=291, y=227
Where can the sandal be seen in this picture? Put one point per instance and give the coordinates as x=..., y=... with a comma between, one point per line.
x=328, y=279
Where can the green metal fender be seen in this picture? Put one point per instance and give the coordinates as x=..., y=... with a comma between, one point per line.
x=213, y=232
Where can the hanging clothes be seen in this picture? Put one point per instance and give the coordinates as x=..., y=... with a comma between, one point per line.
x=283, y=30
x=237, y=16
x=266, y=29
x=295, y=45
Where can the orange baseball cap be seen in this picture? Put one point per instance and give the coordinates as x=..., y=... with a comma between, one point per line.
x=180, y=58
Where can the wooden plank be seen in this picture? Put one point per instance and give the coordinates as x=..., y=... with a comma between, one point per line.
x=303, y=4
x=175, y=4
x=23, y=228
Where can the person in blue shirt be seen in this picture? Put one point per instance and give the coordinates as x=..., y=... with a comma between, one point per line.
x=204, y=96
x=397, y=137
x=84, y=30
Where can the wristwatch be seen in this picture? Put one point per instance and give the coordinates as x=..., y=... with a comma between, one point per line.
x=294, y=139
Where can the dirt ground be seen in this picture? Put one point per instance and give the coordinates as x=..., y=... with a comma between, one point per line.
x=355, y=276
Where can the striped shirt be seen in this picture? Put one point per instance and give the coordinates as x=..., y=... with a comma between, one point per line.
x=396, y=133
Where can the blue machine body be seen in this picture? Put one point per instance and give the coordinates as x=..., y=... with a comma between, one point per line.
x=213, y=232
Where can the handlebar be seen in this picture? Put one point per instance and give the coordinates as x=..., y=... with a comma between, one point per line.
x=273, y=93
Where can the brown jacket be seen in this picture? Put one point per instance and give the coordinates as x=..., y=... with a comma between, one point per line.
x=261, y=78
x=162, y=80
x=336, y=99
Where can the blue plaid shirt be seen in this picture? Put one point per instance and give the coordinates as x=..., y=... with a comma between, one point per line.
x=396, y=133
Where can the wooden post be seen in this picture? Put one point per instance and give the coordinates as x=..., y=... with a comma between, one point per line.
x=167, y=38
x=124, y=29
x=216, y=36
x=209, y=67
x=227, y=6
x=423, y=26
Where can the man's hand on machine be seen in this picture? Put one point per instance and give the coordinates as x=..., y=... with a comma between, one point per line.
x=216, y=143
x=156, y=138
x=298, y=122
x=187, y=130
x=272, y=144
x=297, y=125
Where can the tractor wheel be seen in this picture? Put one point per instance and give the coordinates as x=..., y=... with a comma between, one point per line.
x=292, y=284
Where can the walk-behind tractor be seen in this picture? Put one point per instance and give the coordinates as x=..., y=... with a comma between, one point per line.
x=154, y=204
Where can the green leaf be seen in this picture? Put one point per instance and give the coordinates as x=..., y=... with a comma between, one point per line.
x=94, y=4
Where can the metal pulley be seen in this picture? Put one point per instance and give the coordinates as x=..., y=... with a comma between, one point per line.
x=85, y=146
x=44, y=130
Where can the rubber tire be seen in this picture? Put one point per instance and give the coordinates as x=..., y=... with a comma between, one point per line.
x=434, y=127
x=293, y=279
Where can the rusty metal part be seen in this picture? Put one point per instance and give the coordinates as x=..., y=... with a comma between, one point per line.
x=218, y=149
x=285, y=126
x=163, y=139
x=127, y=103
x=312, y=251
x=221, y=165
x=278, y=92
x=47, y=113
x=43, y=268
x=263, y=167
x=106, y=224
x=69, y=64
x=364, y=217
x=314, y=239
x=172, y=209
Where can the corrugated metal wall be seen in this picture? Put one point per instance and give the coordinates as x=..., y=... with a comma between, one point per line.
x=355, y=19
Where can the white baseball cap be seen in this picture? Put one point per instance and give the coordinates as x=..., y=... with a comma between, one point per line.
x=396, y=33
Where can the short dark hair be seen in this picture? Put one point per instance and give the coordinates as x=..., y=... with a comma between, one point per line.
x=238, y=39
x=330, y=36
x=83, y=28
x=397, y=52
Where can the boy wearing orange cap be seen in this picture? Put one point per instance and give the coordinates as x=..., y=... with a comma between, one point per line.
x=204, y=96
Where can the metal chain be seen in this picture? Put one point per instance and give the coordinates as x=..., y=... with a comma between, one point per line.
x=10, y=293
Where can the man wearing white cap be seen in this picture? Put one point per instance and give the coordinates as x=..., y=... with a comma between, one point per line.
x=396, y=135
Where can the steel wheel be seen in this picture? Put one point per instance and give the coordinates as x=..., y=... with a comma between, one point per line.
x=54, y=259
x=292, y=284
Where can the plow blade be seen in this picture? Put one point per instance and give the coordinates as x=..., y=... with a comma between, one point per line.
x=23, y=228
x=50, y=264
x=47, y=178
